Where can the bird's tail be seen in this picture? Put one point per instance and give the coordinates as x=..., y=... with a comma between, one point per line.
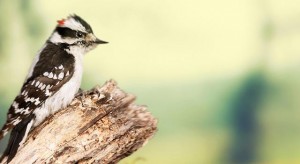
x=4, y=131
x=16, y=137
x=9, y=124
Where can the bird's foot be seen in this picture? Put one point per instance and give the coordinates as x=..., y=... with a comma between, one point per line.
x=80, y=95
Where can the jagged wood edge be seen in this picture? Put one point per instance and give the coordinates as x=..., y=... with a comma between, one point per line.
x=111, y=103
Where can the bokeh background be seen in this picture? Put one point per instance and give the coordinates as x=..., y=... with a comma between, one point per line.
x=222, y=77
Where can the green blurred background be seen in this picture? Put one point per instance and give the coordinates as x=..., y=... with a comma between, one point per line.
x=221, y=76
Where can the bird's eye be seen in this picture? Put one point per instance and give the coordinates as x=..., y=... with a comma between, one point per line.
x=79, y=34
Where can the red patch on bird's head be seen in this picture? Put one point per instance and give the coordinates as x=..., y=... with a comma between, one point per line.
x=61, y=22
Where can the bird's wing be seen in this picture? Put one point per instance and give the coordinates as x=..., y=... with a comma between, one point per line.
x=46, y=79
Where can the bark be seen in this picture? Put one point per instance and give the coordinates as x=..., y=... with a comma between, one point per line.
x=100, y=126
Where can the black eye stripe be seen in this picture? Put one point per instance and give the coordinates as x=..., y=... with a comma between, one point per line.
x=66, y=32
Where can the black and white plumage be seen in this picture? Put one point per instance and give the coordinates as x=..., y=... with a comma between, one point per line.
x=53, y=80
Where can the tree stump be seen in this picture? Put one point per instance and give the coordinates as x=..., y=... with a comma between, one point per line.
x=100, y=126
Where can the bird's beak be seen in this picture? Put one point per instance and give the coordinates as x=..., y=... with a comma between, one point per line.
x=98, y=41
x=92, y=38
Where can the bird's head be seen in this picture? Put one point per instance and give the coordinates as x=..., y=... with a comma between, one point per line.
x=74, y=31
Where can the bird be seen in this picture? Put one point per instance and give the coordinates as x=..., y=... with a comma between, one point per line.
x=52, y=82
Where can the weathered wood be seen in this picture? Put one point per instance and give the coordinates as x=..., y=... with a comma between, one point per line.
x=102, y=126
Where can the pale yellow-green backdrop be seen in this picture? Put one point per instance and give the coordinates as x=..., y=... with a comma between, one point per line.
x=217, y=74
